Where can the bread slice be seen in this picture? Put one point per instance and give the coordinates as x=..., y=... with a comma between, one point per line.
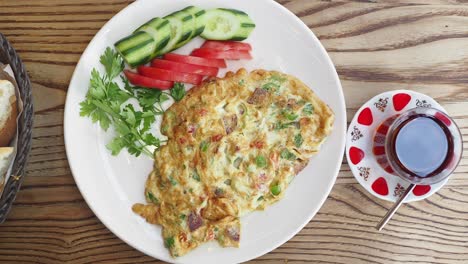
x=6, y=155
x=8, y=112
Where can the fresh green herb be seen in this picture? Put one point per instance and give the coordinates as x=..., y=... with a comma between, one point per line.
x=273, y=83
x=173, y=181
x=277, y=78
x=270, y=86
x=260, y=198
x=279, y=125
x=298, y=140
x=285, y=154
x=242, y=82
x=182, y=217
x=169, y=242
x=178, y=91
x=275, y=189
x=113, y=64
x=289, y=115
x=105, y=103
x=260, y=161
x=204, y=145
x=195, y=176
x=216, y=229
x=152, y=198
x=308, y=109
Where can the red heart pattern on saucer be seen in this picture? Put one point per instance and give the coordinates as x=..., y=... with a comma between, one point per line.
x=366, y=138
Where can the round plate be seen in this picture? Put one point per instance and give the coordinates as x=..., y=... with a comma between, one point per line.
x=365, y=145
x=111, y=185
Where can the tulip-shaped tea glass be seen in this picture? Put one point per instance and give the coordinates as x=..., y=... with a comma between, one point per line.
x=423, y=146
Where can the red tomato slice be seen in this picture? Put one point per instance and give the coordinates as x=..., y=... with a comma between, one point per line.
x=226, y=45
x=195, y=60
x=184, y=67
x=166, y=75
x=222, y=54
x=139, y=80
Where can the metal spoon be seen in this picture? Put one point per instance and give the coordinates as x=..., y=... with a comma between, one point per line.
x=395, y=207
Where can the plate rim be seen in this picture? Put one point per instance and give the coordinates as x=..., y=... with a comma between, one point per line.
x=336, y=81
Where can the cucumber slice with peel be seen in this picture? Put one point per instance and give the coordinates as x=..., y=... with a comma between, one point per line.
x=137, y=48
x=181, y=23
x=227, y=24
x=160, y=30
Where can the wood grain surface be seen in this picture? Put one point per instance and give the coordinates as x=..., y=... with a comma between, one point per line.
x=376, y=46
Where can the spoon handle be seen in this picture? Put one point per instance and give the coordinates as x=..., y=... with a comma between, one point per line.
x=395, y=207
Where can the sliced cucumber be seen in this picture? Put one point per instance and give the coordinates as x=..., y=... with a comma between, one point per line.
x=160, y=30
x=137, y=48
x=227, y=24
x=181, y=24
x=198, y=23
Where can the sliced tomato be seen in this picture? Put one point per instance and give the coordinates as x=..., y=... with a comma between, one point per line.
x=195, y=60
x=184, y=67
x=140, y=80
x=222, y=54
x=166, y=75
x=226, y=45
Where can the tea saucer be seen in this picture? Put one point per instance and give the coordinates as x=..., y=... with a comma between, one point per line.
x=365, y=145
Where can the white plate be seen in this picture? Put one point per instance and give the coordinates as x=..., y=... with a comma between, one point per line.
x=111, y=185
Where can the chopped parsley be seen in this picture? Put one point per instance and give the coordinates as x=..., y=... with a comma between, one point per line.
x=169, y=242
x=196, y=177
x=260, y=161
x=298, y=140
x=279, y=125
x=242, y=82
x=285, y=154
x=182, y=217
x=204, y=145
x=273, y=83
x=152, y=198
x=173, y=181
x=289, y=115
x=308, y=109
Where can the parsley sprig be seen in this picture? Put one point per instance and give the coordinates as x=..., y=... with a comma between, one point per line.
x=109, y=105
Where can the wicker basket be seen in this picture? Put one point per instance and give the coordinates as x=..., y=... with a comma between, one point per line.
x=8, y=56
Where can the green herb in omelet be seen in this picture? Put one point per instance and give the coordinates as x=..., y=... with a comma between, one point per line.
x=152, y=198
x=285, y=154
x=308, y=109
x=260, y=161
x=289, y=115
x=169, y=242
x=173, y=181
x=298, y=140
x=196, y=177
x=204, y=145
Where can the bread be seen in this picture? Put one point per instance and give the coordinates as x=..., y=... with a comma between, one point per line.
x=8, y=112
x=6, y=154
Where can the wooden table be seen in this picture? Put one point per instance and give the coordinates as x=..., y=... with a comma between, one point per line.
x=375, y=46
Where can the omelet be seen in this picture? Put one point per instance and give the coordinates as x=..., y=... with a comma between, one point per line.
x=234, y=145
